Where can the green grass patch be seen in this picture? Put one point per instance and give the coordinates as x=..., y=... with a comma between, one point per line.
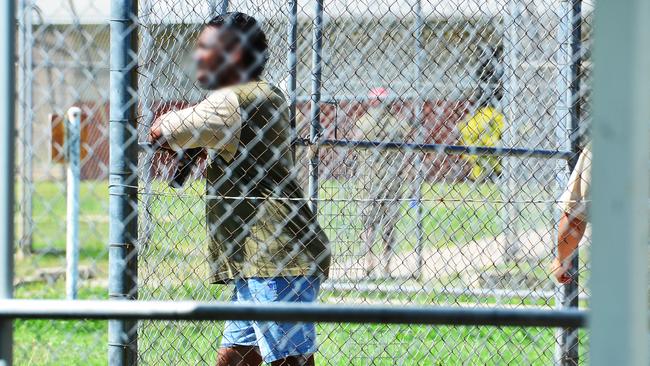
x=44, y=342
x=173, y=266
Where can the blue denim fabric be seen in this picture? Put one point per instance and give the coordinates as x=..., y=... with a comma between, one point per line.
x=275, y=340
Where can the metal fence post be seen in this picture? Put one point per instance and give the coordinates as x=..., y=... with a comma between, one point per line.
x=513, y=24
x=315, y=128
x=571, y=48
x=568, y=133
x=419, y=159
x=619, y=275
x=73, y=124
x=26, y=125
x=146, y=94
x=218, y=7
x=7, y=143
x=292, y=66
x=123, y=178
x=213, y=8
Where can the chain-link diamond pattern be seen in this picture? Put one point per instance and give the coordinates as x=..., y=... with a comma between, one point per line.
x=408, y=222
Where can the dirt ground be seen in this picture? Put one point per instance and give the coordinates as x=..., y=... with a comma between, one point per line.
x=468, y=261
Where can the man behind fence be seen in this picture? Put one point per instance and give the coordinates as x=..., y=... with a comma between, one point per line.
x=381, y=173
x=264, y=238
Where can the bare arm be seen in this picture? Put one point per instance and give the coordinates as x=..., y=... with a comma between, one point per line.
x=570, y=231
x=573, y=222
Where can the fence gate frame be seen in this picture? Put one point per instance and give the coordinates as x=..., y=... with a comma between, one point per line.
x=123, y=178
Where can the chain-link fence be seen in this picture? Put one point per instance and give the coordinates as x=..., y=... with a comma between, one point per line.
x=62, y=61
x=434, y=139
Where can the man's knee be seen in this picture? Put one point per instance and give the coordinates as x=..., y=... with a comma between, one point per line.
x=239, y=356
x=295, y=361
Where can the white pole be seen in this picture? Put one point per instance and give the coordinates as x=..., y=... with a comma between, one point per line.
x=619, y=278
x=73, y=178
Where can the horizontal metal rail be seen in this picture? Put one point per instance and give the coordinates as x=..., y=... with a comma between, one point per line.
x=443, y=148
x=189, y=310
x=414, y=290
x=437, y=148
x=392, y=98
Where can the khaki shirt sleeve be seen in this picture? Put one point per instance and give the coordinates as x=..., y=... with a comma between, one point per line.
x=575, y=199
x=214, y=123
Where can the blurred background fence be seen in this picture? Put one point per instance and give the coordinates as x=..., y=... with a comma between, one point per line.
x=412, y=221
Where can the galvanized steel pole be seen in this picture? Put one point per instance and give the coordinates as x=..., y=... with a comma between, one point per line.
x=568, y=113
x=419, y=122
x=315, y=128
x=224, y=6
x=572, y=289
x=26, y=124
x=292, y=65
x=123, y=179
x=510, y=105
x=146, y=93
x=7, y=144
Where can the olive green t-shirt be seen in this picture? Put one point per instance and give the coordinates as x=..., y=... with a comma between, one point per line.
x=258, y=220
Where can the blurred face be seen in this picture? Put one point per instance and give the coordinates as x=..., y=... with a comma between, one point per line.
x=216, y=62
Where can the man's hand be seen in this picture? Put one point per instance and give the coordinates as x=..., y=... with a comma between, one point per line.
x=560, y=270
x=570, y=232
x=156, y=134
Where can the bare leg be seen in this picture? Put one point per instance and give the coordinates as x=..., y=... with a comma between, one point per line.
x=295, y=361
x=389, y=243
x=391, y=211
x=239, y=356
x=371, y=217
x=366, y=237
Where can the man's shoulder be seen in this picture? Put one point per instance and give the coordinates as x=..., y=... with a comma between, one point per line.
x=222, y=95
x=256, y=91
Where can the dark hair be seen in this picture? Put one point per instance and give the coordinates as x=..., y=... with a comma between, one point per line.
x=249, y=35
x=490, y=75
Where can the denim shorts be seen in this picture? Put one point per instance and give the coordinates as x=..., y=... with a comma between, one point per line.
x=274, y=340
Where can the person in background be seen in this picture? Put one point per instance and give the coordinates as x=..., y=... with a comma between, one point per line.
x=264, y=239
x=381, y=175
x=573, y=223
x=484, y=127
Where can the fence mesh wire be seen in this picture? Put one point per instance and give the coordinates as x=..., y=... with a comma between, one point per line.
x=408, y=223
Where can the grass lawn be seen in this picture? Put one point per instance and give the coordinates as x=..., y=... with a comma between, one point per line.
x=173, y=265
x=44, y=342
